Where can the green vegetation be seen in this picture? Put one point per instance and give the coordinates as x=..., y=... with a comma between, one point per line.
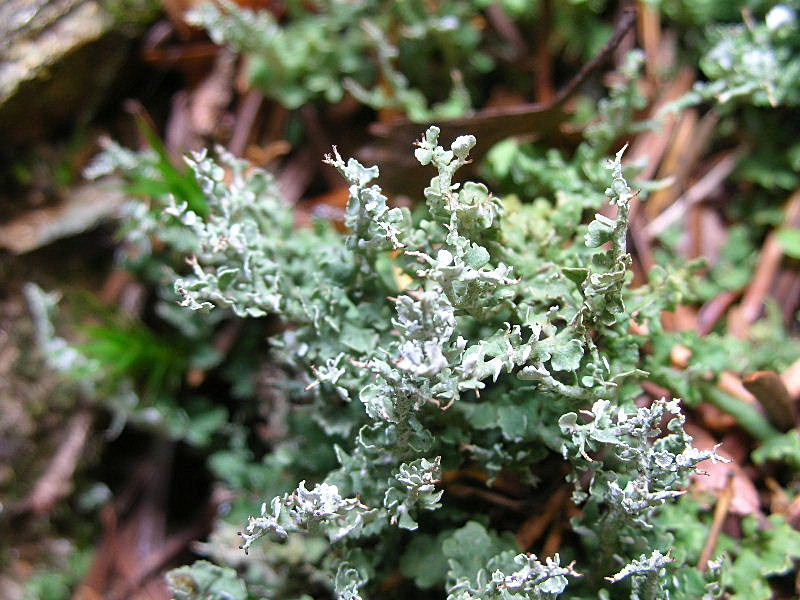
x=443, y=362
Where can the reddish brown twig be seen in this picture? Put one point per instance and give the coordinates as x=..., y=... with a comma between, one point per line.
x=650, y=146
x=245, y=117
x=467, y=491
x=691, y=140
x=713, y=310
x=720, y=513
x=534, y=527
x=771, y=255
x=698, y=192
x=772, y=394
x=554, y=538
x=624, y=25
x=542, y=56
x=505, y=26
x=56, y=482
x=649, y=27
x=223, y=342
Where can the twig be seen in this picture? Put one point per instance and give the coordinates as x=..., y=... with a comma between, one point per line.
x=701, y=190
x=502, y=24
x=95, y=580
x=245, y=117
x=493, y=117
x=553, y=541
x=223, y=342
x=81, y=209
x=649, y=26
x=534, y=527
x=626, y=22
x=319, y=141
x=787, y=292
x=56, y=482
x=542, y=57
x=720, y=513
x=297, y=174
x=465, y=491
x=769, y=261
x=650, y=146
x=772, y=394
x=656, y=391
x=713, y=310
x=210, y=98
x=490, y=125
x=158, y=560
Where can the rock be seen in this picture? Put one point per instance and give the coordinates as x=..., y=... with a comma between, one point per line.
x=57, y=59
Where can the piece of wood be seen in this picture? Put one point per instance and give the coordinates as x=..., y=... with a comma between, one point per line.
x=36, y=34
x=772, y=394
x=713, y=310
x=649, y=29
x=82, y=208
x=56, y=482
x=720, y=513
x=689, y=144
x=535, y=526
x=57, y=60
x=769, y=261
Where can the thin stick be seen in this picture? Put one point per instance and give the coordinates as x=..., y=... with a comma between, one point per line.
x=650, y=34
x=492, y=125
x=701, y=190
x=245, y=117
x=713, y=310
x=502, y=24
x=542, y=57
x=720, y=512
x=535, y=526
x=56, y=482
x=772, y=394
x=553, y=541
x=465, y=491
x=769, y=261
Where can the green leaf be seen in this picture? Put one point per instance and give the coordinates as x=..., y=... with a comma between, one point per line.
x=183, y=185
x=513, y=422
x=790, y=242
x=205, y=581
x=360, y=339
x=469, y=549
x=566, y=356
x=575, y=274
x=476, y=257
x=784, y=447
x=423, y=561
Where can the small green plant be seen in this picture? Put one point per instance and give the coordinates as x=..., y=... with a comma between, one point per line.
x=466, y=332
x=372, y=50
x=474, y=338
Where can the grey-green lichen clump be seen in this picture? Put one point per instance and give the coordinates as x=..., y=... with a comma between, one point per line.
x=466, y=333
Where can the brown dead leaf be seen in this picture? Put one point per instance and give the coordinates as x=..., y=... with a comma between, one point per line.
x=82, y=208
x=745, y=495
x=715, y=419
x=211, y=98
